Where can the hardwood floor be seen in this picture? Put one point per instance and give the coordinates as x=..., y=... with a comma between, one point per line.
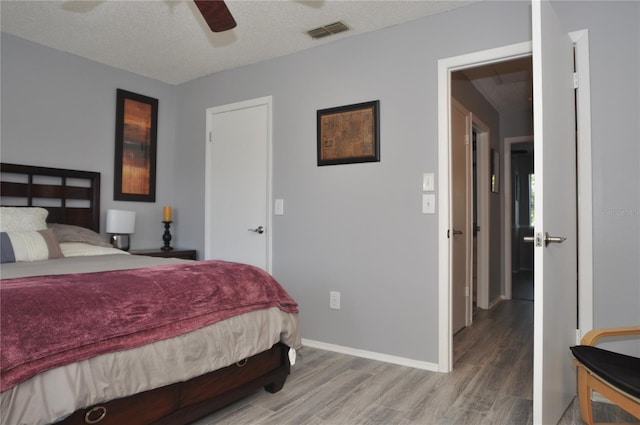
x=491, y=384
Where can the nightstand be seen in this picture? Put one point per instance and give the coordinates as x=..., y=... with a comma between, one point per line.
x=187, y=254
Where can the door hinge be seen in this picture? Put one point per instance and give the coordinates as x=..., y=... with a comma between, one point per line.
x=210, y=137
x=576, y=80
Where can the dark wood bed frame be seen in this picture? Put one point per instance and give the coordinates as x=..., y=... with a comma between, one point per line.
x=42, y=186
x=176, y=404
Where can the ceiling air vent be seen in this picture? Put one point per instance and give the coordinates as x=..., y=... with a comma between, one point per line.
x=326, y=30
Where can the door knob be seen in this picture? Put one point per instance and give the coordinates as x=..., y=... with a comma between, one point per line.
x=259, y=230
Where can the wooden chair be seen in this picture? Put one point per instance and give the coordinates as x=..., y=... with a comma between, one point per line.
x=613, y=375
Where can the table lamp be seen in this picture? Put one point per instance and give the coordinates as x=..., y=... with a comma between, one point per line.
x=120, y=225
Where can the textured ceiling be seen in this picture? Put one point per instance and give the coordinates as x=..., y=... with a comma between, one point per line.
x=170, y=41
x=508, y=86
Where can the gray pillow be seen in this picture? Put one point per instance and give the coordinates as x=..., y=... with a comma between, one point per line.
x=70, y=233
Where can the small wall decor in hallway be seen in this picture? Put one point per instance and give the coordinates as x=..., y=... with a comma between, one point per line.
x=136, y=144
x=495, y=171
x=349, y=134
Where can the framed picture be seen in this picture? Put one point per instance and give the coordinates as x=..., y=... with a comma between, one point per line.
x=495, y=171
x=349, y=134
x=136, y=146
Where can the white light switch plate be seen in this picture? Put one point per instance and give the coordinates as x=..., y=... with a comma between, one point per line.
x=428, y=203
x=278, y=208
x=428, y=182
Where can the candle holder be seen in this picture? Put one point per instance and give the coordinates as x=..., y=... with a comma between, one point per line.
x=166, y=237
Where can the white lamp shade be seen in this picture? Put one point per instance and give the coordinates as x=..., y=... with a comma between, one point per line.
x=121, y=222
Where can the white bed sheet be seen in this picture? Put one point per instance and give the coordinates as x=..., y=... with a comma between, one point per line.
x=53, y=395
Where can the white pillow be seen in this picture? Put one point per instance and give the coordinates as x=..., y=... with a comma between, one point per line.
x=81, y=249
x=23, y=219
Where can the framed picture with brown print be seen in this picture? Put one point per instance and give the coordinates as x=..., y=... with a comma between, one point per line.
x=349, y=134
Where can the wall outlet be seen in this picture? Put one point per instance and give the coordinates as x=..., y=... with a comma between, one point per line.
x=428, y=203
x=334, y=300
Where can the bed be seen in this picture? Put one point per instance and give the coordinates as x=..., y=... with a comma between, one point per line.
x=204, y=349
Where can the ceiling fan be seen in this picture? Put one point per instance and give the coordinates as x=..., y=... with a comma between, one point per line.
x=216, y=14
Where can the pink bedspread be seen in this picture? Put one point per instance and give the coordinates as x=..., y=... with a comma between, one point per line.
x=49, y=321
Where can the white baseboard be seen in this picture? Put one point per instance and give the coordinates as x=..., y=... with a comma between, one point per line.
x=496, y=300
x=402, y=361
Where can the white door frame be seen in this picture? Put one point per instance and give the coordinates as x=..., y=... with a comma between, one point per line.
x=210, y=112
x=445, y=68
x=508, y=216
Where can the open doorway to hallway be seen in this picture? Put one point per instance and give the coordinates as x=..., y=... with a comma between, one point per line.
x=544, y=316
x=500, y=95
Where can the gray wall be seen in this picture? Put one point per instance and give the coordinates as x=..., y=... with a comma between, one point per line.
x=358, y=228
x=59, y=110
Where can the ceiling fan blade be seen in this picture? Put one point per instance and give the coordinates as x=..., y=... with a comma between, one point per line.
x=216, y=14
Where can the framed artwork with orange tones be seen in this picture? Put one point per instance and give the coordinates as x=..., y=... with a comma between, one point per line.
x=136, y=146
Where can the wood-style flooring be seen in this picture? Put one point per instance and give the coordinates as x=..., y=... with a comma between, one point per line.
x=491, y=384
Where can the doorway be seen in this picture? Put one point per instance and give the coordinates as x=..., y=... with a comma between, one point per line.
x=445, y=68
x=583, y=186
x=498, y=92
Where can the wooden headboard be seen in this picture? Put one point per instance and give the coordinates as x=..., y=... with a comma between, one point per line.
x=70, y=196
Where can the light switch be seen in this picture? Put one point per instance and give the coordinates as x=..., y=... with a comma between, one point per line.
x=428, y=203
x=278, y=208
x=428, y=182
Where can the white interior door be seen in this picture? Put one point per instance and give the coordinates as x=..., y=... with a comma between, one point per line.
x=482, y=184
x=461, y=227
x=555, y=215
x=238, y=183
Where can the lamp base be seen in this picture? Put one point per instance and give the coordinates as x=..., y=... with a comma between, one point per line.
x=120, y=242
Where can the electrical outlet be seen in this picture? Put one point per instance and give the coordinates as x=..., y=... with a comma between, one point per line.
x=334, y=300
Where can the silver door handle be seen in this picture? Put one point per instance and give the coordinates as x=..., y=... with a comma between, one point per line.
x=259, y=230
x=547, y=239
x=457, y=232
x=552, y=239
